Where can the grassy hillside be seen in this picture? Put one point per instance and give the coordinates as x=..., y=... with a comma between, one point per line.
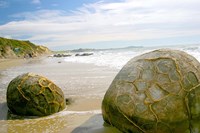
x=10, y=48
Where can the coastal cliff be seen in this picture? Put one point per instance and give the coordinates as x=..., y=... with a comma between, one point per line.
x=10, y=48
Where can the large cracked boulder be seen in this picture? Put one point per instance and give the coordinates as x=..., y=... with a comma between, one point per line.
x=157, y=92
x=34, y=95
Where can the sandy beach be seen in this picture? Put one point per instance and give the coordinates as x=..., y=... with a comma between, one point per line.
x=7, y=63
x=84, y=84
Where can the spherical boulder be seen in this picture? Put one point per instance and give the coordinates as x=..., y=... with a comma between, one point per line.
x=33, y=95
x=157, y=92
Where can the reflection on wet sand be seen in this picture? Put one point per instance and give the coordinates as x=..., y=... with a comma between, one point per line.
x=11, y=123
x=83, y=84
x=62, y=122
x=92, y=125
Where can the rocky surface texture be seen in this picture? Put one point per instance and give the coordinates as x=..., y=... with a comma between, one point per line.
x=10, y=48
x=157, y=92
x=34, y=95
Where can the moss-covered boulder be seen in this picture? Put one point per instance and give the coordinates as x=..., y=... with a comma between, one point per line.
x=33, y=95
x=157, y=92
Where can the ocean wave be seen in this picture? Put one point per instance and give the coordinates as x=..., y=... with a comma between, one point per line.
x=112, y=58
x=118, y=58
x=81, y=112
x=193, y=50
x=66, y=112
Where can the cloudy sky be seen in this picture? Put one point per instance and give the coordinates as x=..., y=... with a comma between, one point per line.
x=68, y=24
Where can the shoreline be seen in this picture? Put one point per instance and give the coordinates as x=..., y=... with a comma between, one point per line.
x=6, y=63
x=9, y=63
x=85, y=84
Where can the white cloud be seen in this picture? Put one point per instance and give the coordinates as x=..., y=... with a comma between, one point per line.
x=127, y=20
x=36, y=1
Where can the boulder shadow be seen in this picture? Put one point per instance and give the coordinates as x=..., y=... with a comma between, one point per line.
x=95, y=124
x=3, y=111
x=5, y=114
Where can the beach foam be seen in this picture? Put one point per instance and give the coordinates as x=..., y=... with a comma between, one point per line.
x=118, y=58
x=80, y=112
x=111, y=58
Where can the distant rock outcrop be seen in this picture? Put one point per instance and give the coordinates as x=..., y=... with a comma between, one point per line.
x=61, y=55
x=10, y=48
x=84, y=54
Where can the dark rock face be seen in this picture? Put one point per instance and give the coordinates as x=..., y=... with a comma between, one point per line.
x=62, y=55
x=84, y=54
x=157, y=92
x=30, y=55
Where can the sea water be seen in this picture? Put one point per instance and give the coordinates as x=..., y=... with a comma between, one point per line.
x=85, y=84
x=89, y=81
x=117, y=58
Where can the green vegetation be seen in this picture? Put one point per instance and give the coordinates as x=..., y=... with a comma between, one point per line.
x=10, y=48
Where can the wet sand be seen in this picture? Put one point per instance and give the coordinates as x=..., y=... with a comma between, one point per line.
x=84, y=84
x=7, y=63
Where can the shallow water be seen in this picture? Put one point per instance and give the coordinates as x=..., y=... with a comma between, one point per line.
x=62, y=122
x=84, y=80
x=85, y=84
